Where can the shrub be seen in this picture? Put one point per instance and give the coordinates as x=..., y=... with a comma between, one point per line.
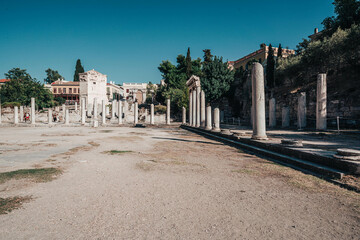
x=10, y=104
x=160, y=109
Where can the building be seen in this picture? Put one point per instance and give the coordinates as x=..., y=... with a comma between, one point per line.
x=93, y=85
x=70, y=91
x=317, y=35
x=135, y=91
x=259, y=55
x=3, y=81
x=114, y=91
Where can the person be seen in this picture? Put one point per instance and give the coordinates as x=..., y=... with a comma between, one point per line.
x=54, y=117
x=27, y=116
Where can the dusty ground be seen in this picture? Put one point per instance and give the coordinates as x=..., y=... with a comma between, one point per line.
x=162, y=184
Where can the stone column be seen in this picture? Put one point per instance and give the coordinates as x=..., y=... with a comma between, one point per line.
x=194, y=108
x=107, y=111
x=198, y=105
x=183, y=115
x=190, y=107
x=0, y=112
x=301, y=114
x=120, y=120
x=321, y=123
x=216, y=120
x=103, y=114
x=21, y=113
x=208, y=118
x=89, y=108
x=272, y=112
x=75, y=106
x=67, y=117
x=113, y=107
x=285, y=117
x=152, y=114
x=258, y=102
x=16, y=115
x=168, y=111
x=95, y=108
x=83, y=109
x=136, y=113
x=32, y=116
x=63, y=110
x=49, y=116
x=203, y=107
x=143, y=97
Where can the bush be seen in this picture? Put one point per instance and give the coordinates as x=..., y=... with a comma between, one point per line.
x=160, y=109
x=10, y=104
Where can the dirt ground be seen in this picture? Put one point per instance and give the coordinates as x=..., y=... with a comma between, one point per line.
x=141, y=183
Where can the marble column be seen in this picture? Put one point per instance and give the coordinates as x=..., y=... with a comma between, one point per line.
x=208, y=118
x=272, y=112
x=113, y=107
x=63, y=111
x=168, y=111
x=103, y=112
x=120, y=120
x=152, y=114
x=21, y=113
x=258, y=102
x=136, y=113
x=83, y=111
x=89, y=109
x=183, y=115
x=285, y=117
x=190, y=107
x=16, y=115
x=76, y=106
x=0, y=112
x=301, y=114
x=198, y=105
x=321, y=123
x=203, y=107
x=107, y=110
x=67, y=117
x=49, y=116
x=194, y=108
x=143, y=97
x=32, y=116
x=95, y=108
x=216, y=120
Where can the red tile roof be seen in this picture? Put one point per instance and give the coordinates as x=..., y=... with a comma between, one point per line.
x=4, y=80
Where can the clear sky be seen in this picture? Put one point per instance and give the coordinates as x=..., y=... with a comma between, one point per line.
x=127, y=40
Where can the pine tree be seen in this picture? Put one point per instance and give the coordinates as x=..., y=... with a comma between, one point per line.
x=270, y=68
x=207, y=56
x=52, y=76
x=78, y=69
x=188, y=64
x=279, y=53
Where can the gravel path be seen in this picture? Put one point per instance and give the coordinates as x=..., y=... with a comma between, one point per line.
x=171, y=185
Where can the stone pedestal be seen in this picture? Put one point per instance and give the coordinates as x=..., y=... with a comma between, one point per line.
x=272, y=112
x=194, y=109
x=152, y=114
x=16, y=115
x=32, y=114
x=190, y=107
x=258, y=102
x=203, y=107
x=21, y=113
x=96, y=123
x=83, y=111
x=49, y=116
x=67, y=117
x=285, y=117
x=208, y=118
x=136, y=113
x=301, y=111
x=120, y=120
x=216, y=120
x=103, y=114
x=183, y=115
x=321, y=123
x=168, y=111
x=198, y=99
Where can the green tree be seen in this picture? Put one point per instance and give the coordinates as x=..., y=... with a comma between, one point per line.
x=207, y=56
x=22, y=87
x=270, y=68
x=217, y=78
x=78, y=69
x=188, y=64
x=279, y=53
x=52, y=76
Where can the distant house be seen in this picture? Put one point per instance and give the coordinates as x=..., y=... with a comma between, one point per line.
x=113, y=91
x=135, y=91
x=70, y=91
x=3, y=81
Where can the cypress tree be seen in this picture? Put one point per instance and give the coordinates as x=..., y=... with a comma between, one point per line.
x=279, y=53
x=78, y=69
x=207, y=56
x=188, y=64
x=270, y=68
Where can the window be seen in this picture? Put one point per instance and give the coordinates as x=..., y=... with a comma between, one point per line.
x=54, y=90
x=127, y=90
x=70, y=90
x=59, y=90
x=64, y=90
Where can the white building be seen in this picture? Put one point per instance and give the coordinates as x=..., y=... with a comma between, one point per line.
x=93, y=85
x=114, y=91
x=135, y=91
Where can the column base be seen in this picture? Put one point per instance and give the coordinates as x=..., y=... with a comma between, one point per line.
x=259, y=137
x=216, y=130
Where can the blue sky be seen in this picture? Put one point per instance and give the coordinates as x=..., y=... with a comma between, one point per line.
x=127, y=40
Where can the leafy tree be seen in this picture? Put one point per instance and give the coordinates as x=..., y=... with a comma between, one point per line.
x=188, y=64
x=52, y=76
x=279, y=53
x=270, y=68
x=217, y=78
x=22, y=87
x=78, y=69
x=207, y=56
x=302, y=46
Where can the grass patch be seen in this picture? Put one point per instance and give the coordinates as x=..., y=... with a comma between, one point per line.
x=37, y=175
x=113, y=152
x=11, y=203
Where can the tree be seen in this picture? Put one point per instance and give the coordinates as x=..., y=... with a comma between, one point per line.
x=188, y=64
x=270, y=68
x=217, y=78
x=22, y=87
x=207, y=56
x=52, y=76
x=279, y=53
x=78, y=69
x=302, y=46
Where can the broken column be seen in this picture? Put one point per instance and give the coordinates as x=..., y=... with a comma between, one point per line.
x=103, y=115
x=183, y=115
x=285, y=117
x=120, y=112
x=258, y=102
x=216, y=120
x=198, y=99
x=272, y=112
x=83, y=109
x=152, y=114
x=321, y=102
x=194, y=108
x=136, y=113
x=32, y=115
x=202, y=118
x=208, y=118
x=16, y=115
x=67, y=117
x=76, y=106
x=21, y=113
x=168, y=111
x=49, y=116
x=301, y=114
x=190, y=107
